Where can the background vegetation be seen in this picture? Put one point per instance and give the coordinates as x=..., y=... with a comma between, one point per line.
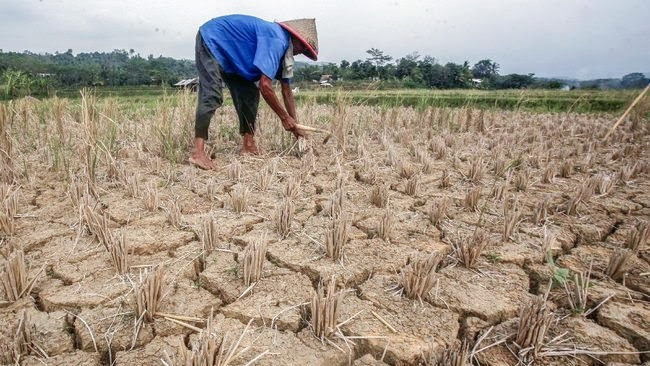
x=65, y=73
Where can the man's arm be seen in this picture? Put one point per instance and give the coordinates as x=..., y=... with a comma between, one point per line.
x=289, y=101
x=288, y=116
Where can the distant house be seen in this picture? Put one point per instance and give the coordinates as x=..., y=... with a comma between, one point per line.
x=191, y=84
x=326, y=81
x=476, y=82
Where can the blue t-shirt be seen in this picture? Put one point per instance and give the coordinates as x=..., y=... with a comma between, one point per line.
x=246, y=45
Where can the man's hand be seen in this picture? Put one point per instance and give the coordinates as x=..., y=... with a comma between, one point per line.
x=289, y=124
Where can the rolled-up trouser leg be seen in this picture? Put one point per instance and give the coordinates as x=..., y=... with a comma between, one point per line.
x=210, y=88
x=246, y=98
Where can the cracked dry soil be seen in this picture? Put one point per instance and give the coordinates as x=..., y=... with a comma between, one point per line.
x=81, y=312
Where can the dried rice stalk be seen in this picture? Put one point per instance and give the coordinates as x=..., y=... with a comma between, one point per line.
x=627, y=172
x=337, y=236
x=9, y=199
x=586, y=190
x=239, y=198
x=97, y=224
x=413, y=185
x=386, y=225
x=445, y=181
x=336, y=201
x=471, y=199
x=113, y=169
x=151, y=197
x=499, y=190
x=510, y=218
x=7, y=224
x=265, y=177
x=304, y=146
x=421, y=155
x=407, y=171
x=417, y=278
x=438, y=210
x=119, y=254
x=379, y=195
x=566, y=169
x=132, y=185
x=521, y=181
x=89, y=155
x=571, y=206
x=618, y=263
x=393, y=157
x=534, y=321
x=603, y=183
x=148, y=295
x=456, y=354
x=23, y=340
x=428, y=167
x=456, y=162
x=438, y=148
x=7, y=173
x=324, y=310
x=548, y=243
x=14, y=276
x=627, y=111
x=367, y=173
x=198, y=265
x=340, y=179
x=209, y=234
x=210, y=349
x=499, y=166
x=253, y=261
x=307, y=165
x=233, y=171
x=480, y=122
x=638, y=236
x=190, y=181
x=211, y=189
x=540, y=212
x=468, y=249
x=76, y=191
x=284, y=217
x=476, y=170
x=174, y=215
x=534, y=161
x=292, y=188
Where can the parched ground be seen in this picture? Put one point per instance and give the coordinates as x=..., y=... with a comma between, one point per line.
x=553, y=198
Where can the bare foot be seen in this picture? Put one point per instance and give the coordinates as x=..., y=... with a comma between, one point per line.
x=202, y=161
x=248, y=150
x=248, y=145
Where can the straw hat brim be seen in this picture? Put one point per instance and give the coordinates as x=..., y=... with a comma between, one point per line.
x=303, y=35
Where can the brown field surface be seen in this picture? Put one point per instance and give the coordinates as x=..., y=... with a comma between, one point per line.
x=411, y=236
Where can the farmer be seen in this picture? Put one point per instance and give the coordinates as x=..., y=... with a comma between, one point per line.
x=247, y=53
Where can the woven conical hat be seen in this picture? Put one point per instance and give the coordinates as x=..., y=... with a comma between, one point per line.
x=305, y=31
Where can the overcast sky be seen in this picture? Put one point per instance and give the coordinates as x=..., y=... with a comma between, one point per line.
x=582, y=39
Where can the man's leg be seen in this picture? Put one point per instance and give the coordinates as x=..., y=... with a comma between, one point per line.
x=209, y=99
x=246, y=98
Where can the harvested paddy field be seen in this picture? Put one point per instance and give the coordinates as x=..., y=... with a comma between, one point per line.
x=411, y=236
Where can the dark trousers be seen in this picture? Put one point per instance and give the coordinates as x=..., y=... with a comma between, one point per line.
x=245, y=94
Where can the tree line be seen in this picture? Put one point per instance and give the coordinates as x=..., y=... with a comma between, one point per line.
x=29, y=73
x=415, y=71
